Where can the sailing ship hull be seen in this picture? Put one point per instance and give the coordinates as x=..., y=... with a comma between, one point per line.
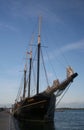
x=37, y=108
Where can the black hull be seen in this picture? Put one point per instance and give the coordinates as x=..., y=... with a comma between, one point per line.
x=37, y=108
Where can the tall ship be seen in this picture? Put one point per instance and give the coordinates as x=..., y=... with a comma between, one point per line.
x=41, y=105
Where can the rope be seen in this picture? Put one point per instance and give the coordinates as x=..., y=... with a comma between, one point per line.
x=65, y=59
x=32, y=68
x=63, y=95
x=51, y=64
x=44, y=68
x=20, y=89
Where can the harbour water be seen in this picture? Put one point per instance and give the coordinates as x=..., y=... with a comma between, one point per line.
x=69, y=120
x=64, y=120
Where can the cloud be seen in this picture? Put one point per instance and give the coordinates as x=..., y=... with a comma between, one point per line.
x=73, y=46
x=27, y=9
x=79, y=45
x=70, y=47
x=9, y=27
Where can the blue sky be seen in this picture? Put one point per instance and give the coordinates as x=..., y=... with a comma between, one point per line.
x=62, y=31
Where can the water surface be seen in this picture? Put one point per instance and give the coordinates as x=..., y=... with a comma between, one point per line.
x=64, y=120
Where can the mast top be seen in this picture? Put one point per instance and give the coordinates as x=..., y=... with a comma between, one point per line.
x=25, y=67
x=39, y=30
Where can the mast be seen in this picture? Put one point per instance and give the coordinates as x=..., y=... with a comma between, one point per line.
x=30, y=65
x=38, y=56
x=24, y=82
x=29, y=74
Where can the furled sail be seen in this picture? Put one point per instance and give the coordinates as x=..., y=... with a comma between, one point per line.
x=61, y=86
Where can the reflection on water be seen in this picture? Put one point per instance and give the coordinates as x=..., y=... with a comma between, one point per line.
x=64, y=120
x=35, y=125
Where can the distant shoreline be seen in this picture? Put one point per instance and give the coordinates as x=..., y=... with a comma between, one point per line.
x=62, y=109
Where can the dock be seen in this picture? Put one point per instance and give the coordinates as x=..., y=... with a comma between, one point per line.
x=7, y=122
